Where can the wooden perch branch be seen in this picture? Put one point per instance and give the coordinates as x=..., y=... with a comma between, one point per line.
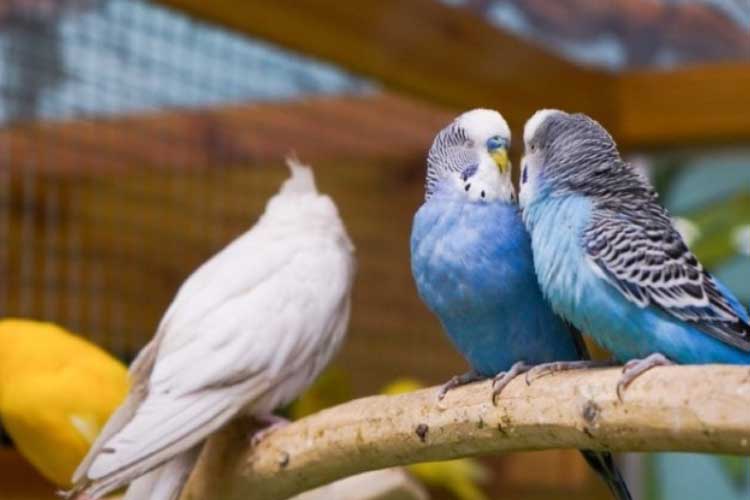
x=688, y=408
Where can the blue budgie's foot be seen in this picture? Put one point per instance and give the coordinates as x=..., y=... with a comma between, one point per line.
x=636, y=367
x=274, y=422
x=545, y=369
x=503, y=378
x=458, y=381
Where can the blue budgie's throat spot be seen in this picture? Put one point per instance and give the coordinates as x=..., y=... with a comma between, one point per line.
x=469, y=171
x=524, y=174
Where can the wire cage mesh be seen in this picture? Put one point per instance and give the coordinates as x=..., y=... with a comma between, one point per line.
x=136, y=141
x=96, y=193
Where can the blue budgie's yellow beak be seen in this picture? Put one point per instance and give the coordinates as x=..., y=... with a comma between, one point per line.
x=498, y=148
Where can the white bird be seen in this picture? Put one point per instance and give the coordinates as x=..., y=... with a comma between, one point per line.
x=247, y=333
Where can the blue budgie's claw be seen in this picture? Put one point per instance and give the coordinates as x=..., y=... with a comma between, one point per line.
x=637, y=367
x=458, y=381
x=502, y=379
x=545, y=369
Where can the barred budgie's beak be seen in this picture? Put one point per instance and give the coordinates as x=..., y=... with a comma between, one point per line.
x=500, y=156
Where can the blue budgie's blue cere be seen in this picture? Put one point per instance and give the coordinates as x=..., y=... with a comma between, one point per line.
x=609, y=259
x=473, y=267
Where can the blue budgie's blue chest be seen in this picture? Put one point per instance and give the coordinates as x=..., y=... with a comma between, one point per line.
x=473, y=268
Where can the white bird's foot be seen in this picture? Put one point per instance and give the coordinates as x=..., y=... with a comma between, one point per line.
x=545, y=369
x=637, y=367
x=273, y=422
x=457, y=381
x=502, y=379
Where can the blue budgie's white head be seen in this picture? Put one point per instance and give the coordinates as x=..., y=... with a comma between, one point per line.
x=572, y=153
x=469, y=158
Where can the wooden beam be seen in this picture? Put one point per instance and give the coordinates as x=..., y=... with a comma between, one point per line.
x=422, y=47
x=685, y=408
x=697, y=105
x=382, y=126
x=454, y=57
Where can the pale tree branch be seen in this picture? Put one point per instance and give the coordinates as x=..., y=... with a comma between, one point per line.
x=686, y=408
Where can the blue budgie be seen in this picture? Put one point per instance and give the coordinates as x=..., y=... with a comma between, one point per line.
x=472, y=264
x=609, y=259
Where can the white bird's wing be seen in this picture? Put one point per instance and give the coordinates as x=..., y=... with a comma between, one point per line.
x=167, y=481
x=246, y=320
x=139, y=372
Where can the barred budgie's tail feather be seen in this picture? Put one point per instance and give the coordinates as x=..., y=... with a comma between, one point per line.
x=604, y=465
x=583, y=351
x=601, y=462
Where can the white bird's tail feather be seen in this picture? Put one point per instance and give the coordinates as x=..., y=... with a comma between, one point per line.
x=167, y=481
x=206, y=424
x=302, y=179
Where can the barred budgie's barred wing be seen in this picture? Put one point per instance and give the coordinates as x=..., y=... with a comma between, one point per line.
x=638, y=250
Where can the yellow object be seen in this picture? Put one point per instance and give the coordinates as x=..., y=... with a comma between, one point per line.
x=331, y=388
x=56, y=393
x=460, y=476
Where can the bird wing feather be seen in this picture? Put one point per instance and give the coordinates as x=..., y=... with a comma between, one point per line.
x=247, y=319
x=645, y=258
x=139, y=372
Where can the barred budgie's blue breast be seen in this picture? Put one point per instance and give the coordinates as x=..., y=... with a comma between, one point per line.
x=577, y=292
x=473, y=268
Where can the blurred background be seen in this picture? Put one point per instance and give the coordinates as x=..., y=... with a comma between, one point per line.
x=138, y=137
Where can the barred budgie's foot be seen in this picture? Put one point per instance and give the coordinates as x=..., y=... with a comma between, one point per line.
x=458, y=381
x=503, y=378
x=636, y=367
x=274, y=422
x=545, y=369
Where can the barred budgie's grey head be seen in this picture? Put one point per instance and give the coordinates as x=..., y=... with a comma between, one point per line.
x=572, y=153
x=470, y=156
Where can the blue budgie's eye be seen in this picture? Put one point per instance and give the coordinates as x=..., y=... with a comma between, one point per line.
x=496, y=142
x=524, y=174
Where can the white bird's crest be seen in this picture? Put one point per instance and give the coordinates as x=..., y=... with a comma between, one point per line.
x=301, y=181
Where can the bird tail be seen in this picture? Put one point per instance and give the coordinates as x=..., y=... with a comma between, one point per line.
x=604, y=465
x=167, y=481
x=302, y=179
